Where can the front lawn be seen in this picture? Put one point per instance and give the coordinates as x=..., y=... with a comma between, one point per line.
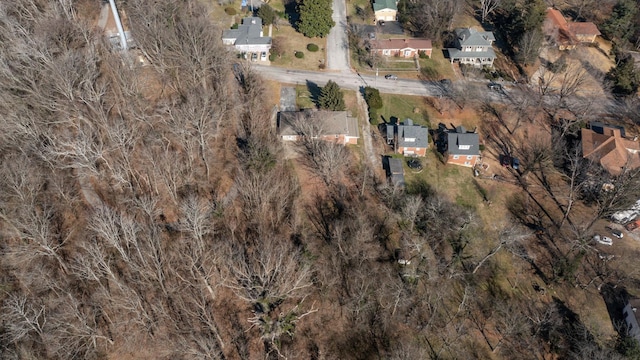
x=293, y=41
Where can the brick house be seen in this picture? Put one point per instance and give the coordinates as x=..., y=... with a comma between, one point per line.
x=408, y=139
x=325, y=125
x=473, y=47
x=608, y=145
x=462, y=147
x=386, y=10
x=407, y=48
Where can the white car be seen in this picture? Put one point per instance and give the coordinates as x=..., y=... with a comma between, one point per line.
x=603, y=240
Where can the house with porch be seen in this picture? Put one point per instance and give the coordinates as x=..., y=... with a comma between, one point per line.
x=335, y=126
x=462, y=147
x=473, y=47
x=407, y=48
x=248, y=37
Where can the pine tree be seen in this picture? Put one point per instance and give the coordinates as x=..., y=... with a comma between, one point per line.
x=331, y=97
x=315, y=18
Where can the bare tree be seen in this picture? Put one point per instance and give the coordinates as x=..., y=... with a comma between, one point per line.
x=487, y=7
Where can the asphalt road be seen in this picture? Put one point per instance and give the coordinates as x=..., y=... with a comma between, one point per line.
x=349, y=80
x=337, y=42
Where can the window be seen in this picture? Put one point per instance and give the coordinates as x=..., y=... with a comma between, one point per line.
x=469, y=157
x=407, y=53
x=467, y=163
x=464, y=147
x=456, y=157
x=386, y=52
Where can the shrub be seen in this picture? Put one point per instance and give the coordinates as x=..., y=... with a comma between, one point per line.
x=423, y=54
x=312, y=47
x=299, y=54
x=234, y=26
x=322, y=66
x=230, y=10
x=272, y=57
x=372, y=97
x=373, y=117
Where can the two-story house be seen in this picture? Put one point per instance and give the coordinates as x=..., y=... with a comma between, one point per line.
x=473, y=47
x=408, y=139
x=248, y=37
x=406, y=48
x=462, y=148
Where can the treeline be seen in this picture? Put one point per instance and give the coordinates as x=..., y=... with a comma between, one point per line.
x=149, y=212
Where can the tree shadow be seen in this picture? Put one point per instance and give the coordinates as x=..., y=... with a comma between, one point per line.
x=291, y=11
x=615, y=298
x=314, y=92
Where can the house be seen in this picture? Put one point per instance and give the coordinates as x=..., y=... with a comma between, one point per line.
x=407, y=48
x=408, y=139
x=462, y=147
x=567, y=35
x=630, y=314
x=396, y=172
x=608, y=145
x=334, y=126
x=385, y=10
x=247, y=38
x=473, y=47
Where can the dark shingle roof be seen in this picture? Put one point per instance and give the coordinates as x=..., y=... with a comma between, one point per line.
x=457, y=140
x=395, y=166
x=417, y=132
x=248, y=33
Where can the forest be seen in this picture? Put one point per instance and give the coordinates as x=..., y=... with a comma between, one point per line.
x=148, y=212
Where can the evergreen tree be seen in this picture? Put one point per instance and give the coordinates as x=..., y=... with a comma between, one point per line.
x=331, y=97
x=372, y=97
x=315, y=18
x=267, y=14
x=623, y=76
x=620, y=25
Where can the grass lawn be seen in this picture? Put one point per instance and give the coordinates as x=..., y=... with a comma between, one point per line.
x=402, y=107
x=304, y=97
x=437, y=65
x=353, y=15
x=293, y=41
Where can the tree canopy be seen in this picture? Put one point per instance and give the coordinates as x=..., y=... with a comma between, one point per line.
x=267, y=14
x=331, y=97
x=315, y=18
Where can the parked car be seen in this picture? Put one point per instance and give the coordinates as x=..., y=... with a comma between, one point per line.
x=604, y=240
x=391, y=77
x=263, y=56
x=515, y=163
x=495, y=86
x=414, y=164
x=617, y=233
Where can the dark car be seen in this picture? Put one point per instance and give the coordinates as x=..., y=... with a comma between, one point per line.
x=495, y=86
x=505, y=160
x=515, y=163
x=391, y=77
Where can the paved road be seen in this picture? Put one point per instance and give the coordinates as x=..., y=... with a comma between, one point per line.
x=337, y=42
x=349, y=80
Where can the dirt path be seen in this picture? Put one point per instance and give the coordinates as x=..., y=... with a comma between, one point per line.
x=366, y=133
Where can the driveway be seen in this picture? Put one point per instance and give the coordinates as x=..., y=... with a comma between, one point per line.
x=337, y=42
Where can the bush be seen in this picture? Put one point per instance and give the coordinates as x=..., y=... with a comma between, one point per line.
x=234, y=26
x=373, y=117
x=312, y=47
x=322, y=66
x=423, y=54
x=299, y=54
x=230, y=10
x=272, y=57
x=372, y=97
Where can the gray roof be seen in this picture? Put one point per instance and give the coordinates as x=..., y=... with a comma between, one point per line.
x=395, y=166
x=456, y=139
x=417, y=132
x=459, y=54
x=329, y=122
x=247, y=33
x=397, y=180
x=473, y=37
x=390, y=132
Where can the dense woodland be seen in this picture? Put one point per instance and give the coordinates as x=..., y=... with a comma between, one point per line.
x=149, y=213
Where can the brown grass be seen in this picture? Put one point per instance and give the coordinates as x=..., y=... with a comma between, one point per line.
x=294, y=41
